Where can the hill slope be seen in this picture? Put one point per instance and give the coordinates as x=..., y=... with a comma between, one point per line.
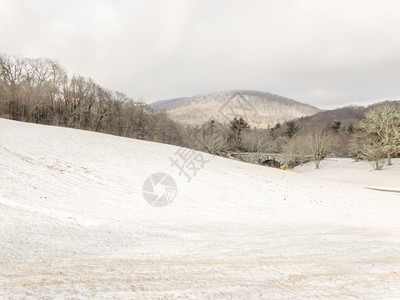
x=74, y=223
x=260, y=109
x=346, y=115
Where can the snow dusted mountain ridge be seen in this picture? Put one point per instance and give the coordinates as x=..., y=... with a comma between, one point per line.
x=260, y=109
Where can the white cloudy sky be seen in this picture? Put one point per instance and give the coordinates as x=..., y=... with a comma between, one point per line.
x=322, y=52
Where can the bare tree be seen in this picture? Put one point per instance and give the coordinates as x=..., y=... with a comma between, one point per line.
x=11, y=77
x=377, y=135
x=319, y=146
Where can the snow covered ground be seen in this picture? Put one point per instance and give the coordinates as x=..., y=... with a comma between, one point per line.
x=361, y=173
x=74, y=224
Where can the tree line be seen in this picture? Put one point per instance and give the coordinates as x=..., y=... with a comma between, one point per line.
x=40, y=91
x=373, y=138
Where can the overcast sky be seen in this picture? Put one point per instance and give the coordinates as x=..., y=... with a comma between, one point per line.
x=323, y=52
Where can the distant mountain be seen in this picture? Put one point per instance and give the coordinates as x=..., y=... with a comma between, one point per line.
x=259, y=109
x=346, y=115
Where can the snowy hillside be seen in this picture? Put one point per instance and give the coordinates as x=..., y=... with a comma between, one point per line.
x=74, y=224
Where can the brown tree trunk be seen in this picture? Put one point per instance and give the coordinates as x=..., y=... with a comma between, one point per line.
x=317, y=161
x=389, y=157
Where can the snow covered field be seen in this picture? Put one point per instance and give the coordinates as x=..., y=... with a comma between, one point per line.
x=74, y=224
x=361, y=173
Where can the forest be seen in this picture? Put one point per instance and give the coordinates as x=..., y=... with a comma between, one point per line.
x=41, y=91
